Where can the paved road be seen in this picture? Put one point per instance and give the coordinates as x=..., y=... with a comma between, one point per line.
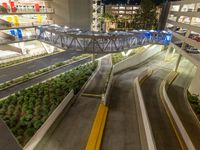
x=10, y=73
x=14, y=89
x=122, y=128
x=73, y=130
x=98, y=87
x=180, y=102
x=162, y=129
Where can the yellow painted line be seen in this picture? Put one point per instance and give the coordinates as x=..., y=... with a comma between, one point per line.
x=102, y=129
x=91, y=95
x=60, y=50
x=95, y=137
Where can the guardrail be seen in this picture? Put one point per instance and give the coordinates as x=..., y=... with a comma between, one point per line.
x=168, y=105
x=37, y=137
x=142, y=109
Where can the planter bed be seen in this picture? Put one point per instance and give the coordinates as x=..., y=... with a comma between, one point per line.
x=195, y=103
x=25, y=111
x=40, y=72
x=117, y=57
x=22, y=60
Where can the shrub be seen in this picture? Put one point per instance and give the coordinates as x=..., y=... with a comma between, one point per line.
x=195, y=103
x=31, y=107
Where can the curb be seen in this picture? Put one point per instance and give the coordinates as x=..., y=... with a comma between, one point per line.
x=3, y=98
x=142, y=109
x=184, y=140
x=39, y=74
x=40, y=133
x=29, y=60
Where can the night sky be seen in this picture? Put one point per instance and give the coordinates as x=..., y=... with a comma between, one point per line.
x=125, y=1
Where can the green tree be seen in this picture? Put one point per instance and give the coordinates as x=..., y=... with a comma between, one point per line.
x=146, y=16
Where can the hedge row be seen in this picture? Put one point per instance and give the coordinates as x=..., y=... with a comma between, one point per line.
x=40, y=72
x=7, y=64
x=28, y=109
x=195, y=103
x=117, y=57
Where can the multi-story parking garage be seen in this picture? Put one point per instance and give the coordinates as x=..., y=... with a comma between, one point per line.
x=135, y=99
x=183, y=21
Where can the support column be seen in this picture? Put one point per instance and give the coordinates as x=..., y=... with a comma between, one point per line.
x=173, y=52
x=178, y=62
x=168, y=51
x=93, y=57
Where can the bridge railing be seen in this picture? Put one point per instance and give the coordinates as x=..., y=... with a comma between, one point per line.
x=100, y=42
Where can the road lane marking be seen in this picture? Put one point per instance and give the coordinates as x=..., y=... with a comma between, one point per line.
x=95, y=137
x=91, y=95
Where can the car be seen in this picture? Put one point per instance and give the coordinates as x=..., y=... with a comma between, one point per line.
x=197, y=39
x=192, y=50
x=178, y=43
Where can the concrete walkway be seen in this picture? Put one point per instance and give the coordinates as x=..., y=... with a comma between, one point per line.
x=73, y=130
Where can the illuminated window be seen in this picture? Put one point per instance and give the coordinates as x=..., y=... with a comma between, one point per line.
x=188, y=8
x=122, y=8
x=121, y=12
x=174, y=8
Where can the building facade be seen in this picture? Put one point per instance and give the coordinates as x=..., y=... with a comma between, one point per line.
x=184, y=22
x=18, y=19
x=121, y=9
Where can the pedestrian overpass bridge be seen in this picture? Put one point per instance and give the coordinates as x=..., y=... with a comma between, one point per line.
x=100, y=42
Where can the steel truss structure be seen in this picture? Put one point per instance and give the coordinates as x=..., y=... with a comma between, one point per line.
x=99, y=42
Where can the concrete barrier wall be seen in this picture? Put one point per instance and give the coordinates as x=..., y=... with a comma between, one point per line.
x=137, y=58
x=194, y=87
x=173, y=113
x=108, y=88
x=143, y=113
x=34, y=141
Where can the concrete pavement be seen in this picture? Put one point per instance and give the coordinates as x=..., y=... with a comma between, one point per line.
x=122, y=128
x=162, y=129
x=97, y=87
x=74, y=127
x=122, y=131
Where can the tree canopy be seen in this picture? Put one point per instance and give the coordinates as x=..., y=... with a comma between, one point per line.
x=146, y=15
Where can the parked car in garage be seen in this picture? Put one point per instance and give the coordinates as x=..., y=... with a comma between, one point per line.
x=192, y=50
